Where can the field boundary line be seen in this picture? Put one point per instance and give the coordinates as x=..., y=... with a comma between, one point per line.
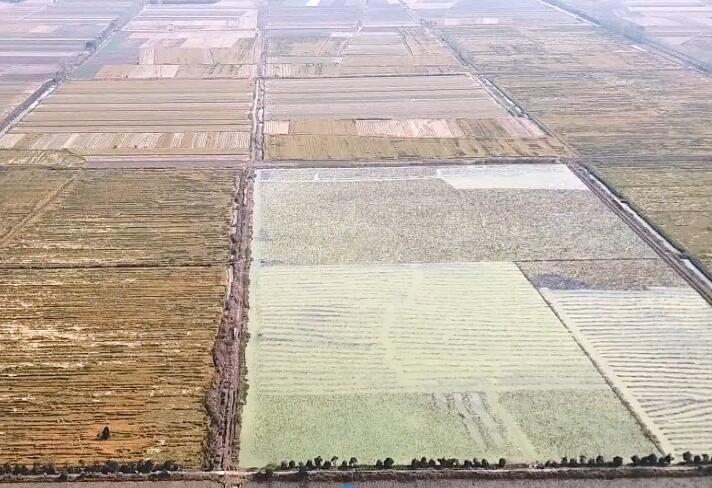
x=496, y=93
x=649, y=428
x=686, y=265
x=653, y=47
x=225, y=397
x=41, y=206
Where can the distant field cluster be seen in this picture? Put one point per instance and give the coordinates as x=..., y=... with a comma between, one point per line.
x=236, y=233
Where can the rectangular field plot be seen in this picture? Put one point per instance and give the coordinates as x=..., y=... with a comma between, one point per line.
x=599, y=94
x=126, y=348
x=445, y=294
x=381, y=52
x=181, y=41
x=112, y=286
x=676, y=196
x=114, y=217
x=420, y=352
x=394, y=117
x=140, y=117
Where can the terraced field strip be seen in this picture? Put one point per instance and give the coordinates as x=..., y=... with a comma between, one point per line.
x=676, y=196
x=656, y=344
x=599, y=94
x=394, y=117
x=140, y=117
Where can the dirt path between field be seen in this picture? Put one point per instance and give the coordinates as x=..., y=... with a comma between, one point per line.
x=226, y=395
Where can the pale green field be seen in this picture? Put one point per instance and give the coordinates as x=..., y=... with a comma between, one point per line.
x=413, y=360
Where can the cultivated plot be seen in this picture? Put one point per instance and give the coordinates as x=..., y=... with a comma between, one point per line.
x=682, y=26
x=40, y=41
x=152, y=117
x=394, y=117
x=112, y=286
x=599, y=94
x=361, y=314
x=187, y=41
x=382, y=52
x=114, y=217
x=676, y=196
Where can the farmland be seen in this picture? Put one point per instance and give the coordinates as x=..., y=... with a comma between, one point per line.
x=140, y=117
x=680, y=26
x=112, y=289
x=394, y=117
x=675, y=196
x=41, y=41
x=237, y=232
x=597, y=93
x=382, y=52
x=360, y=307
x=182, y=41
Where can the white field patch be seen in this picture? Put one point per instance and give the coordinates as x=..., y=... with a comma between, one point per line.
x=657, y=345
x=512, y=176
x=408, y=128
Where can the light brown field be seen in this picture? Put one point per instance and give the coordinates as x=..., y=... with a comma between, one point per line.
x=112, y=286
x=394, y=117
x=677, y=196
x=596, y=92
x=392, y=51
x=140, y=117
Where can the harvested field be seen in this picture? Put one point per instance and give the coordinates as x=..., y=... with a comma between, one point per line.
x=22, y=192
x=60, y=159
x=676, y=196
x=140, y=117
x=121, y=333
x=125, y=348
x=38, y=41
x=114, y=217
x=382, y=52
x=681, y=26
x=394, y=117
x=360, y=306
x=218, y=41
x=599, y=94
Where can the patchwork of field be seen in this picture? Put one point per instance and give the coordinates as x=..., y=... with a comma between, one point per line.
x=140, y=117
x=510, y=307
x=394, y=117
x=676, y=196
x=211, y=41
x=121, y=332
x=683, y=26
x=599, y=94
x=42, y=39
x=381, y=52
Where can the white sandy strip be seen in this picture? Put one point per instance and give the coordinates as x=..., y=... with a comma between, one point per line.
x=482, y=177
x=512, y=176
x=655, y=346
